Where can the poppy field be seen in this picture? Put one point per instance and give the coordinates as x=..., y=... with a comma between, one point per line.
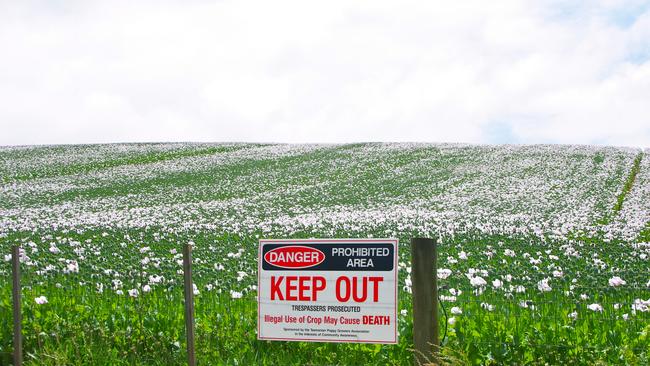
x=543, y=256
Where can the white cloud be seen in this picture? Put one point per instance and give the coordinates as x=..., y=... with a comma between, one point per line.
x=300, y=71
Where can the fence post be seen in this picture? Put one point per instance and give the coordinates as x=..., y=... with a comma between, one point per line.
x=18, y=337
x=425, y=300
x=189, y=303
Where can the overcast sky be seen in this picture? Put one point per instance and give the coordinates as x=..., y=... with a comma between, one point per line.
x=329, y=71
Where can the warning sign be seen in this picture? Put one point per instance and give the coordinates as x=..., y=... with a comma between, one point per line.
x=328, y=290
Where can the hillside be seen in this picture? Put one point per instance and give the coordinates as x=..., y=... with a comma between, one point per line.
x=547, y=227
x=239, y=188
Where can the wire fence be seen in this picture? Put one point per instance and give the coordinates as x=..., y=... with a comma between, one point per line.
x=132, y=296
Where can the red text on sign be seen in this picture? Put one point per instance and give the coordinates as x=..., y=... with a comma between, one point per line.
x=347, y=287
x=296, y=288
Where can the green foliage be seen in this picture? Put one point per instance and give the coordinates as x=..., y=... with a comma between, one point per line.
x=628, y=183
x=88, y=320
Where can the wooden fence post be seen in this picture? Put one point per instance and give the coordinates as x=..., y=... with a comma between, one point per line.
x=18, y=336
x=425, y=300
x=189, y=303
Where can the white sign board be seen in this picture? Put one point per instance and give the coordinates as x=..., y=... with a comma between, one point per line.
x=328, y=290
